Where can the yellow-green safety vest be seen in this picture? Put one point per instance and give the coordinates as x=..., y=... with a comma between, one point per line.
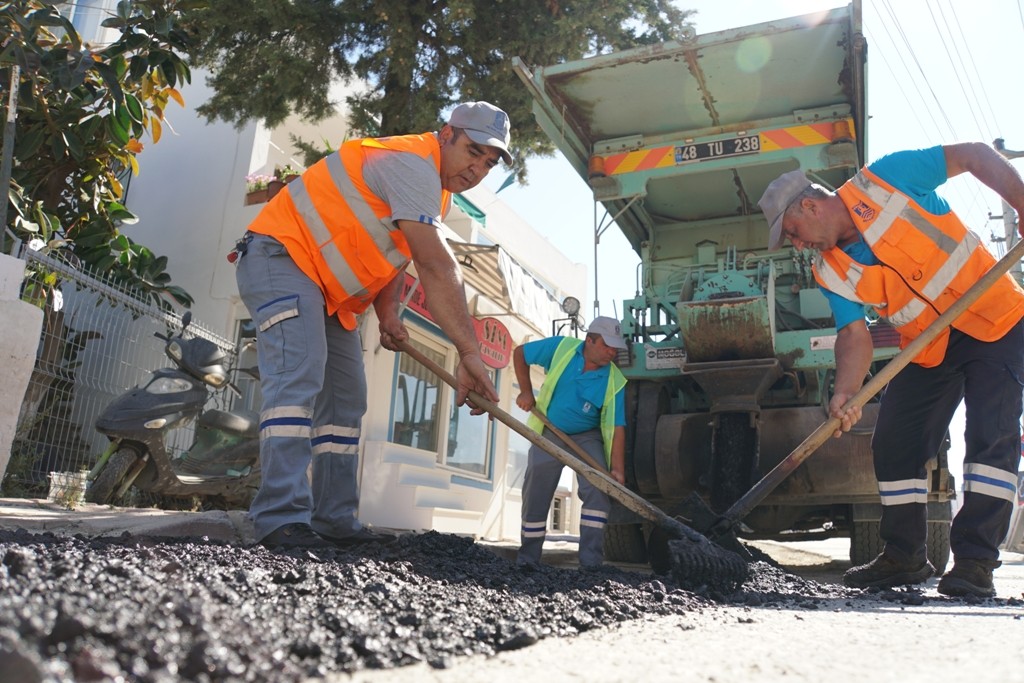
x=616, y=381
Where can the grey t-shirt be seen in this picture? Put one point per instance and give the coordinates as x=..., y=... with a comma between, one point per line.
x=407, y=182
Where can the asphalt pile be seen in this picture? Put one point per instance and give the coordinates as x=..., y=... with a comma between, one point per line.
x=149, y=609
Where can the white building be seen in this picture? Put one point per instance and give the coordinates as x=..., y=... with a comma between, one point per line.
x=423, y=465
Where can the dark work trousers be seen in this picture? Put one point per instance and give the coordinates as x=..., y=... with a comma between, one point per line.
x=539, y=484
x=915, y=413
x=314, y=395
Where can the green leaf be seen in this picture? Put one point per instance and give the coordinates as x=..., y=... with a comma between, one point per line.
x=116, y=131
x=124, y=216
x=169, y=73
x=57, y=146
x=29, y=142
x=75, y=146
x=105, y=263
x=138, y=67
x=111, y=80
x=121, y=243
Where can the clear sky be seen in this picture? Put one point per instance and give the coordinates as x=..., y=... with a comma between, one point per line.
x=938, y=72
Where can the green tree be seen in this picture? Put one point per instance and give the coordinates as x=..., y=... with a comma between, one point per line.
x=417, y=57
x=83, y=113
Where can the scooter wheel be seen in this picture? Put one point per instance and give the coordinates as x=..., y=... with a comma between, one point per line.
x=104, y=485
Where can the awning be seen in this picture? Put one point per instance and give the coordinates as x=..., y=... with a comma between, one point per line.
x=497, y=276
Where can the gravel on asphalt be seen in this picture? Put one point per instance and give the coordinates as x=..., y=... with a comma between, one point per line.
x=150, y=609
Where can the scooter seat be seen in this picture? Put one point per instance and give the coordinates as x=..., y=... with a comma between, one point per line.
x=246, y=424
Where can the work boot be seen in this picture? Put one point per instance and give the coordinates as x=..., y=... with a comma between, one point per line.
x=886, y=572
x=969, y=577
x=364, y=536
x=296, y=535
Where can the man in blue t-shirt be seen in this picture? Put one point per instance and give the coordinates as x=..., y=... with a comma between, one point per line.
x=887, y=240
x=582, y=397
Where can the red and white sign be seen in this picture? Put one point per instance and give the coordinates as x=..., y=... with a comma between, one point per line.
x=494, y=338
x=495, y=342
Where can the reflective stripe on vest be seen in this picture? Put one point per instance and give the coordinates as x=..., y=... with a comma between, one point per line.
x=337, y=231
x=616, y=381
x=926, y=263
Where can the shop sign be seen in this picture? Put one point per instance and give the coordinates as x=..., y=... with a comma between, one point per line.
x=494, y=338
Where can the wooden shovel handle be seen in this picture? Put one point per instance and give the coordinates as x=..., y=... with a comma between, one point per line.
x=752, y=498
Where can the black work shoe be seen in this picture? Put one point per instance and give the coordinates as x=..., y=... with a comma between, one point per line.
x=969, y=577
x=885, y=572
x=295, y=535
x=363, y=536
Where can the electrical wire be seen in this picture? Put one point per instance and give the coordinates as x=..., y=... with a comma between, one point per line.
x=969, y=97
x=974, y=65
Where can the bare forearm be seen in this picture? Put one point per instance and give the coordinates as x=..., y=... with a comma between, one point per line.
x=446, y=299
x=989, y=167
x=854, y=352
x=386, y=302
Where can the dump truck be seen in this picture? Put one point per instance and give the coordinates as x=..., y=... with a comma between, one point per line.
x=730, y=360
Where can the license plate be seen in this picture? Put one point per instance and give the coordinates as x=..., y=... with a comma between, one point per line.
x=703, y=151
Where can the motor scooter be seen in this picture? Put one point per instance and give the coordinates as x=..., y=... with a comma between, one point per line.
x=222, y=466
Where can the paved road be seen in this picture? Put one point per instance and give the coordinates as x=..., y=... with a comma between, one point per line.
x=839, y=641
x=860, y=641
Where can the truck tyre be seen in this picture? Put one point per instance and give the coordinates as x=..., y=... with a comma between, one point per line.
x=938, y=544
x=625, y=543
x=865, y=544
x=104, y=485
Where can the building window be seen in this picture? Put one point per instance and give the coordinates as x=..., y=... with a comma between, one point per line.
x=86, y=16
x=426, y=417
x=468, y=441
x=417, y=396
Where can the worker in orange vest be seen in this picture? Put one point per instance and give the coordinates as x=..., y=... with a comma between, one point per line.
x=887, y=240
x=331, y=244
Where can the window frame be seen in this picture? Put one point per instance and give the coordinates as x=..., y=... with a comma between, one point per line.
x=430, y=335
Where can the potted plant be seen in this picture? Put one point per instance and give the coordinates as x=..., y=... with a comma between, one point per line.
x=287, y=173
x=257, y=188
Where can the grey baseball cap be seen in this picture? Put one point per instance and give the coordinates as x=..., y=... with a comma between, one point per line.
x=485, y=124
x=777, y=198
x=609, y=330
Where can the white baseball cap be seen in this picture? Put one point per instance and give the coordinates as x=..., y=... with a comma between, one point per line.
x=609, y=330
x=484, y=124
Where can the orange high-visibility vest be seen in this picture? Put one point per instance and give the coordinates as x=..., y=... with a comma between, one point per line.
x=926, y=262
x=338, y=232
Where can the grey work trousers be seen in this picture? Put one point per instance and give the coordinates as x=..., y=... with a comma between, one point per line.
x=313, y=386
x=539, y=484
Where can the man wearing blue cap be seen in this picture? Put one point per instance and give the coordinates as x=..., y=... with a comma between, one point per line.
x=885, y=239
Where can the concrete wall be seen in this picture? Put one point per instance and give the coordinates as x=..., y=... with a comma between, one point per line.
x=19, y=339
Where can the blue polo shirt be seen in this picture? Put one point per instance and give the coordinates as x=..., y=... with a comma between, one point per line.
x=915, y=173
x=579, y=396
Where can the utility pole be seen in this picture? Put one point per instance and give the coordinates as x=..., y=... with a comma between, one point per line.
x=1009, y=215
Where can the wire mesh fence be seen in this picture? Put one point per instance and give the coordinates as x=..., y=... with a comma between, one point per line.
x=98, y=340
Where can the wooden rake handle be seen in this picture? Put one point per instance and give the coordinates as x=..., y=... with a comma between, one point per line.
x=596, y=476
